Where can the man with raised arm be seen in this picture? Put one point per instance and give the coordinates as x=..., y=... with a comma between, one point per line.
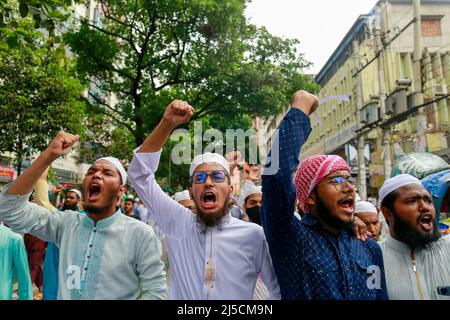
x=103, y=254
x=212, y=254
x=317, y=257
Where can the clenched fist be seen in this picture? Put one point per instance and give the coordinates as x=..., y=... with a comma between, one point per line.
x=61, y=144
x=305, y=102
x=178, y=112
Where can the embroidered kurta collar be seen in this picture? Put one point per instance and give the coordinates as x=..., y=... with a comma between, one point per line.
x=102, y=224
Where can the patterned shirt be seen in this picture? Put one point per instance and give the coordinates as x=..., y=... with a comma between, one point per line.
x=113, y=259
x=309, y=261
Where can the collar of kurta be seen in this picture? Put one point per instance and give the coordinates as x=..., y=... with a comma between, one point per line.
x=397, y=245
x=102, y=224
x=222, y=223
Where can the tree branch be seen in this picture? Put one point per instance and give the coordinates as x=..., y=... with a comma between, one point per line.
x=105, y=10
x=129, y=40
x=109, y=33
x=201, y=112
x=112, y=116
x=108, y=90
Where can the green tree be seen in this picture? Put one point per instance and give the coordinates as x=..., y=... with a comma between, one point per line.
x=104, y=139
x=47, y=14
x=145, y=53
x=39, y=94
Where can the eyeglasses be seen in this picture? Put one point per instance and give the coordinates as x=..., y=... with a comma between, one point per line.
x=216, y=175
x=339, y=182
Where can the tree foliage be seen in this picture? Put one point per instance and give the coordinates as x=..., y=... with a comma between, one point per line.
x=39, y=94
x=44, y=13
x=145, y=53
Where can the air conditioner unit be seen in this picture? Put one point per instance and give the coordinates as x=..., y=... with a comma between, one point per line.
x=400, y=102
x=373, y=113
x=440, y=90
x=390, y=102
x=363, y=116
x=410, y=101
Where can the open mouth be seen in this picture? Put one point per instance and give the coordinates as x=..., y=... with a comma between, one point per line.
x=209, y=200
x=347, y=204
x=94, y=192
x=426, y=222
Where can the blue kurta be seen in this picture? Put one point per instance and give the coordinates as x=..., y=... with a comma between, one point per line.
x=50, y=269
x=13, y=264
x=310, y=262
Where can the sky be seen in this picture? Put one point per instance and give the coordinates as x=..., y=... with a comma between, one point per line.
x=319, y=25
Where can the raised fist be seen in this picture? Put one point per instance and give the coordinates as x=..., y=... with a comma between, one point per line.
x=305, y=102
x=61, y=144
x=58, y=188
x=178, y=112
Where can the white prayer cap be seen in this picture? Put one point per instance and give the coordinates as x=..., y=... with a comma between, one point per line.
x=396, y=182
x=209, y=157
x=357, y=197
x=129, y=197
x=77, y=192
x=365, y=206
x=182, y=195
x=248, y=191
x=118, y=165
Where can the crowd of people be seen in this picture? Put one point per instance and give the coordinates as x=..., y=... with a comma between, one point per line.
x=299, y=232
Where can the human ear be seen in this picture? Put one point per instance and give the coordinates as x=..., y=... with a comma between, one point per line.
x=311, y=200
x=387, y=214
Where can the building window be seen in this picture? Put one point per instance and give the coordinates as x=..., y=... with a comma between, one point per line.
x=431, y=26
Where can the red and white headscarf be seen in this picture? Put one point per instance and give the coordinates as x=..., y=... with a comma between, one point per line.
x=311, y=171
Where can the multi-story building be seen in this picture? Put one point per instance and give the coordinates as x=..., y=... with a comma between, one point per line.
x=338, y=125
x=265, y=129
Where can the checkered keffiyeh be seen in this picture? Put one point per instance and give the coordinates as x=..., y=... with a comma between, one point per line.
x=311, y=171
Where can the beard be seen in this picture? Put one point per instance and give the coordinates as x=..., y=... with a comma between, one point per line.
x=211, y=219
x=73, y=207
x=97, y=210
x=325, y=214
x=412, y=237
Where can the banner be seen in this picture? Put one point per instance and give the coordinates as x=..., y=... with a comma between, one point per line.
x=7, y=171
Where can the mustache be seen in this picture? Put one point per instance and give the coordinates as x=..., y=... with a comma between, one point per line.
x=211, y=219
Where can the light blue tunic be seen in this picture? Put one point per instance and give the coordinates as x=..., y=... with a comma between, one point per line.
x=13, y=264
x=115, y=258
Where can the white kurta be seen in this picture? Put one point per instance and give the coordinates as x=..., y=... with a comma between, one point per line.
x=221, y=262
x=409, y=280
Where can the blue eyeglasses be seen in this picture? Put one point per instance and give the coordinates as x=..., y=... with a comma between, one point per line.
x=339, y=182
x=216, y=175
